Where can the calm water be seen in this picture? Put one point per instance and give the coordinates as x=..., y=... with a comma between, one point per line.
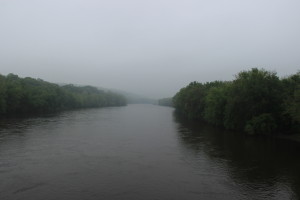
x=140, y=152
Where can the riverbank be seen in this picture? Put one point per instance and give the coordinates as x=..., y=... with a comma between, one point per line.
x=23, y=96
x=256, y=102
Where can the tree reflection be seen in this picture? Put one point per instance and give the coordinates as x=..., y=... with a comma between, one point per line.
x=260, y=166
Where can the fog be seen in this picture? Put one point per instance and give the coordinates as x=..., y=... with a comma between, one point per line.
x=150, y=47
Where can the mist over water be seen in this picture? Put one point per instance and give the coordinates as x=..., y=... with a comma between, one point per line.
x=152, y=48
x=140, y=152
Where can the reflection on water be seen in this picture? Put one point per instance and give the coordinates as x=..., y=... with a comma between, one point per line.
x=261, y=167
x=140, y=152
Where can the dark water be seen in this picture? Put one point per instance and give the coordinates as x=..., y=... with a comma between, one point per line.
x=140, y=152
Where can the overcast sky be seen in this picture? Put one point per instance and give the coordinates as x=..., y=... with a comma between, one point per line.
x=149, y=47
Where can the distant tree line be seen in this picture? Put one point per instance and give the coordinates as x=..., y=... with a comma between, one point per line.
x=166, y=102
x=256, y=102
x=28, y=95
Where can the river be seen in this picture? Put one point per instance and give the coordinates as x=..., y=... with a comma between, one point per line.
x=140, y=152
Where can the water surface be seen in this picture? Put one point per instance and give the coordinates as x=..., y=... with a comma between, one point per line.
x=140, y=152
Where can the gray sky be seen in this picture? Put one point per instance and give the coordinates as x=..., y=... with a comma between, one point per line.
x=149, y=47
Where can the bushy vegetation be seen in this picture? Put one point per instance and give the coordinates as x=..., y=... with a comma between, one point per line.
x=256, y=101
x=166, y=102
x=28, y=95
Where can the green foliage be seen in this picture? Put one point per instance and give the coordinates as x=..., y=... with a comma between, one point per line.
x=28, y=95
x=14, y=93
x=165, y=102
x=292, y=96
x=256, y=102
x=291, y=116
x=294, y=107
x=215, y=103
x=252, y=93
x=2, y=95
x=189, y=101
x=262, y=124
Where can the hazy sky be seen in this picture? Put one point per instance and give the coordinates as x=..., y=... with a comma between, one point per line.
x=149, y=47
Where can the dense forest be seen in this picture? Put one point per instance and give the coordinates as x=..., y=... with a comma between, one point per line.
x=256, y=102
x=28, y=96
x=165, y=102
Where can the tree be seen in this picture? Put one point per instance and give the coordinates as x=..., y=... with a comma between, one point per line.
x=165, y=102
x=291, y=115
x=215, y=103
x=14, y=93
x=2, y=94
x=252, y=94
x=28, y=95
x=189, y=101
